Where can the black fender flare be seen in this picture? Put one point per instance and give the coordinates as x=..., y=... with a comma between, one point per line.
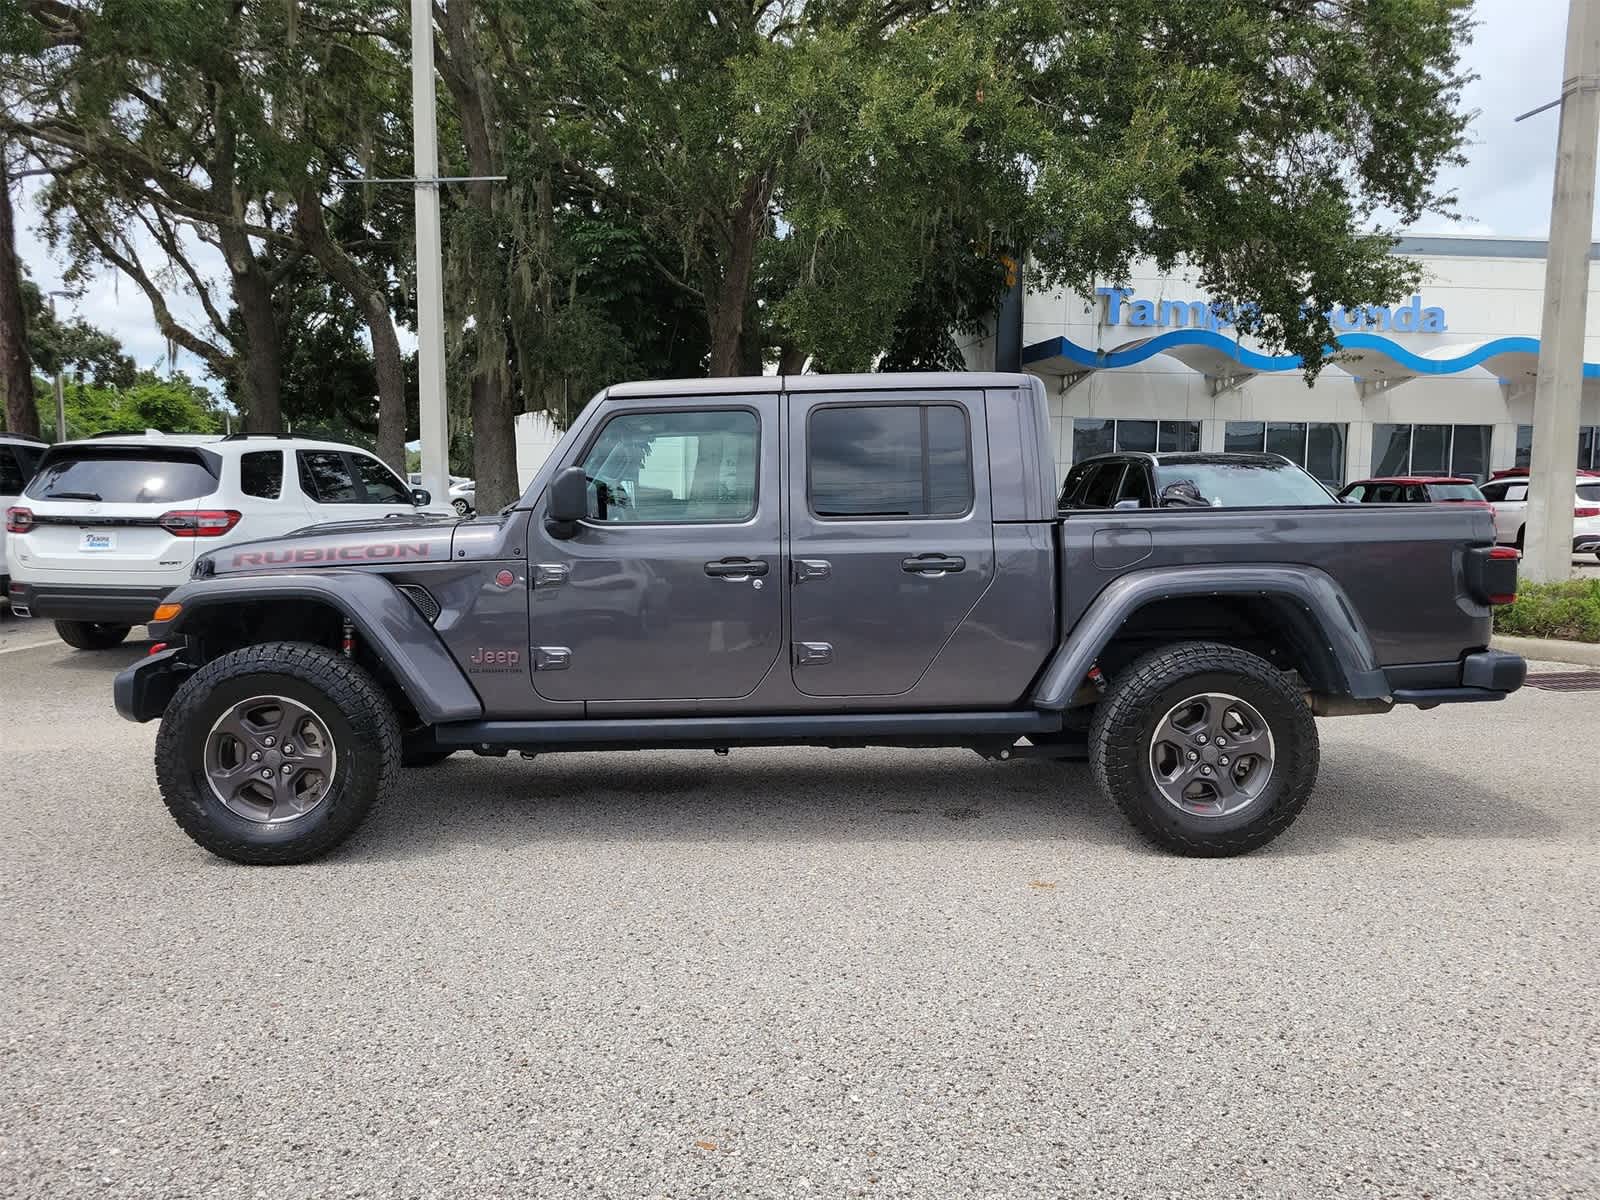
x=389, y=623
x=1343, y=645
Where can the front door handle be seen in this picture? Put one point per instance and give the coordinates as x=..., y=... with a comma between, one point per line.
x=933, y=564
x=736, y=569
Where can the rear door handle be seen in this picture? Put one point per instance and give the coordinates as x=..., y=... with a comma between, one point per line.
x=736, y=569
x=933, y=564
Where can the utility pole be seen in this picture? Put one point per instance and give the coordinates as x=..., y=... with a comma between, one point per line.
x=1547, y=550
x=430, y=259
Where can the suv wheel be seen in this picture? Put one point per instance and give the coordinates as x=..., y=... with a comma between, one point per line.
x=91, y=635
x=461, y=505
x=1206, y=749
x=274, y=753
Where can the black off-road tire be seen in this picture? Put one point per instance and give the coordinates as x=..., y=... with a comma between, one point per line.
x=358, y=716
x=1140, y=697
x=91, y=635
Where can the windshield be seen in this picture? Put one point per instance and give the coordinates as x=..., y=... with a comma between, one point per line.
x=1454, y=491
x=1246, y=484
x=124, y=477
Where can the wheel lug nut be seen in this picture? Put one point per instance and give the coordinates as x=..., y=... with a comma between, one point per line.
x=1205, y=770
x=255, y=756
x=266, y=772
x=1223, y=760
x=1222, y=741
x=287, y=769
x=1201, y=740
x=288, y=747
x=268, y=741
x=1193, y=755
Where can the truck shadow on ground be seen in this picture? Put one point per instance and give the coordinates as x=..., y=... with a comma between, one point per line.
x=891, y=795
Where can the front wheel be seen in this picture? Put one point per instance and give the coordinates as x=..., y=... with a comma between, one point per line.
x=91, y=635
x=461, y=506
x=1206, y=749
x=274, y=753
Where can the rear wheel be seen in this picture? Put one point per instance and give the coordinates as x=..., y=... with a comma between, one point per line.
x=274, y=753
x=91, y=635
x=461, y=506
x=1206, y=749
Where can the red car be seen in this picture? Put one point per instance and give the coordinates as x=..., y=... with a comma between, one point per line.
x=1414, y=489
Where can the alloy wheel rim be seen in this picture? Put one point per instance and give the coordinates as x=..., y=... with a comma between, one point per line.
x=1212, y=754
x=270, y=759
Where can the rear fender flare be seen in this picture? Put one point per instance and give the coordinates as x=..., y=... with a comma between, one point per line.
x=1343, y=643
x=387, y=622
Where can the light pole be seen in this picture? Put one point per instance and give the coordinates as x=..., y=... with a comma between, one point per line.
x=1547, y=549
x=430, y=259
x=61, y=391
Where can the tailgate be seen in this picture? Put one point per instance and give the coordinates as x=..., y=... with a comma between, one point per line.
x=115, y=511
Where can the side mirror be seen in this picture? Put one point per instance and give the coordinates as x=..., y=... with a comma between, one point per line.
x=1182, y=494
x=567, y=504
x=421, y=497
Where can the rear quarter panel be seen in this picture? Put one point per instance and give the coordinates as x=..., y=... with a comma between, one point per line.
x=1400, y=565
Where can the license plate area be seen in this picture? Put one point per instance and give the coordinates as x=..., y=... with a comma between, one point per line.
x=94, y=541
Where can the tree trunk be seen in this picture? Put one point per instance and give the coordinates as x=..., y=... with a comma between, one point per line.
x=262, y=368
x=727, y=305
x=494, y=442
x=16, y=369
x=374, y=306
x=791, y=359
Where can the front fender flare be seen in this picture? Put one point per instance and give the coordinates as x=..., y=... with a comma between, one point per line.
x=1343, y=638
x=389, y=623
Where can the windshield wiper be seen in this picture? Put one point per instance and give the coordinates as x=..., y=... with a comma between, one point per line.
x=72, y=496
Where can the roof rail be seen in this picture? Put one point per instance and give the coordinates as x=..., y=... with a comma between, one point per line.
x=22, y=437
x=244, y=437
x=111, y=433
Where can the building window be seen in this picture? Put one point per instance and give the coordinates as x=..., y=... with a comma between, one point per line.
x=1588, y=447
x=1431, y=450
x=1091, y=436
x=1318, y=446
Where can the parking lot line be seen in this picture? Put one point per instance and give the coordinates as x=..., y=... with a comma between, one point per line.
x=29, y=646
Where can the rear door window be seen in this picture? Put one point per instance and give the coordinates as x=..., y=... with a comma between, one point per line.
x=118, y=476
x=1101, y=490
x=1454, y=491
x=325, y=477
x=13, y=473
x=885, y=460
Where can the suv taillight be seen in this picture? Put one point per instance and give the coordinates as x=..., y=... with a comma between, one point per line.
x=199, y=523
x=19, y=520
x=1586, y=512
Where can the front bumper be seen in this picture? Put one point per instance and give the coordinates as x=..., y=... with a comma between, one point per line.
x=143, y=691
x=1484, y=675
x=82, y=602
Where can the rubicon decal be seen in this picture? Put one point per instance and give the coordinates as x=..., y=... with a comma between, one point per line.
x=328, y=554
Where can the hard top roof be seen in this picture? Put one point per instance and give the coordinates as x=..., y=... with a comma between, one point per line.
x=888, y=381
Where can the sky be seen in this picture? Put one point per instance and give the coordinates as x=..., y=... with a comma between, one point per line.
x=1503, y=190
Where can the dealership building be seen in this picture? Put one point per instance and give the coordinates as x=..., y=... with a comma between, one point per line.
x=1441, y=382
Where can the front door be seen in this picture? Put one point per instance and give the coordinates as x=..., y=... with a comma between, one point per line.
x=672, y=589
x=891, y=538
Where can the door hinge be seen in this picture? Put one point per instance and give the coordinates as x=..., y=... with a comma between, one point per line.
x=551, y=658
x=812, y=654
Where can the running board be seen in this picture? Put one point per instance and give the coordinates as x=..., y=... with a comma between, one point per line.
x=831, y=729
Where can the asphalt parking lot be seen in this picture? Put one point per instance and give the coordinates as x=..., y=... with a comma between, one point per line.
x=789, y=973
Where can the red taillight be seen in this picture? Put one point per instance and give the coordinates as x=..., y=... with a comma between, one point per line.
x=1504, y=552
x=1586, y=512
x=203, y=522
x=19, y=520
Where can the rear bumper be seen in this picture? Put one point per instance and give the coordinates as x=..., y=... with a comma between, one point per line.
x=1485, y=675
x=81, y=602
x=143, y=691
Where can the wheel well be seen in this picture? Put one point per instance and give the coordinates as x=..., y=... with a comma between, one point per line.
x=219, y=629
x=1275, y=628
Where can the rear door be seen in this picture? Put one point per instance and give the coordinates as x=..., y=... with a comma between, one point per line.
x=890, y=534
x=98, y=513
x=672, y=589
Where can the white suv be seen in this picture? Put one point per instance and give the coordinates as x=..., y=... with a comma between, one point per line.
x=110, y=525
x=1508, y=494
x=19, y=458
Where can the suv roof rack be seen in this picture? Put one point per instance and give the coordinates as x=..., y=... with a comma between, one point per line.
x=111, y=433
x=244, y=437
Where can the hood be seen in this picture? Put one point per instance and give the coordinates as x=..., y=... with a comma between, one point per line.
x=345, y=543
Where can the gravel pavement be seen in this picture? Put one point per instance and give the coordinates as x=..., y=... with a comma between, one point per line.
x=804, y=973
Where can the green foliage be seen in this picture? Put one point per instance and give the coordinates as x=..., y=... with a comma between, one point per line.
x=174, y=404
x=1567, y=609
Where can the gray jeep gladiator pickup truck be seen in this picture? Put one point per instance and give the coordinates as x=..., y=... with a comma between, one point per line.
x=832, y=561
